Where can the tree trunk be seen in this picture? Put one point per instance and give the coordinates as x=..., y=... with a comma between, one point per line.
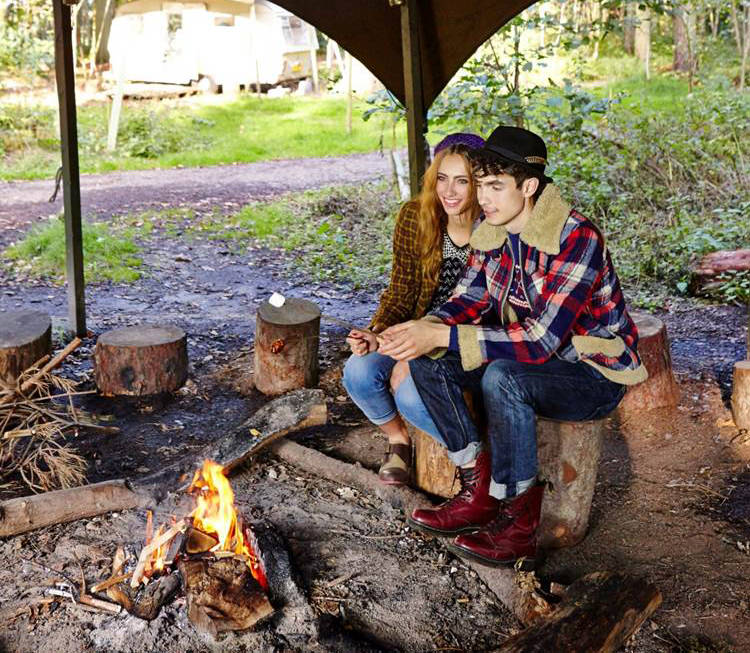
x=598, y=613
x=660, y=389
x=141, y=360
x=286, y=346
x=683, y=30
x=741, y=394
x=25, y=337
x=643, y=38
x=628, y=28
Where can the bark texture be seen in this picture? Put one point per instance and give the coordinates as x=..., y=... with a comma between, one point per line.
x=660, y=389
x=141, y=360
x=741, y=394
x=25, y=337
x=286, y=346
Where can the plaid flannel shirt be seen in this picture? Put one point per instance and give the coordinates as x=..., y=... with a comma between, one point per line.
x=410, y=290
x=577, y=307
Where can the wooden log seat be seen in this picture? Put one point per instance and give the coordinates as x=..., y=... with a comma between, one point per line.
x=286, y=346
x=568, y=459
x=141, y=360
x=25, y=337
x=660, y=389
x=741, y=394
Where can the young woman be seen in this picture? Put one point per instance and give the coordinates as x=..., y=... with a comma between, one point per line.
x=430, y=250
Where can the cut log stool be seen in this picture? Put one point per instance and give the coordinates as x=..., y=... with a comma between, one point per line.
x=286, y=346
x=141, y=360
x=660, y=389
x=741, y=394
x=25, y=337
x=568, y=455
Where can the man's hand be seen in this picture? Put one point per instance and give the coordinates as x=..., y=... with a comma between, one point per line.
x=362, y=341
x=413, y=339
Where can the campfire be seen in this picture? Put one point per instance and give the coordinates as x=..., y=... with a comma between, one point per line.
x=211, y=552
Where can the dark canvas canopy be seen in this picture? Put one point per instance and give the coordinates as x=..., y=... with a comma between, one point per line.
x=413, y=46
x=449, y=33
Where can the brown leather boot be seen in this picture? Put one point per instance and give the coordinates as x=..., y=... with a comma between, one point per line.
x=511, y=536
x=469, y=510
x=396, y=466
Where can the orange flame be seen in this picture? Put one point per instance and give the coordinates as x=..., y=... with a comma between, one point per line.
x=215, y=514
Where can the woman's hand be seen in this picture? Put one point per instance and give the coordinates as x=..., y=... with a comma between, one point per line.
x=362, y=341
x=413, y=339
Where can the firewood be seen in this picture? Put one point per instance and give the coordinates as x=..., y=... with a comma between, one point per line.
x=32, y=512
x=141, y=360
x=156, y=594
x=113, y=580
x=286, y=346
x=150, y=548
x=598, y=613
x=104, y=606
x=25, y=336
x=709, y=267
x=222, y=594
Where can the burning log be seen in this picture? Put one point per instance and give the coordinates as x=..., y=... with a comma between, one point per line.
x=141, y=360
x=25, y=337
x=222, y=594
x=598, y=613
x=286, y=345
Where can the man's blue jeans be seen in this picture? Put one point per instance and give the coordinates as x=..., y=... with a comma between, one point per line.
x=367, y=380
x=513, y=393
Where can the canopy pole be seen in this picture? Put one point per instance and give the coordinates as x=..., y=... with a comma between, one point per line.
x=415, y=113
x=64, y=72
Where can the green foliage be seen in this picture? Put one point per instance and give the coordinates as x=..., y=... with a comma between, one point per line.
x=107, y=255
x=23, y=127
x=26, y=38
x=337, y=234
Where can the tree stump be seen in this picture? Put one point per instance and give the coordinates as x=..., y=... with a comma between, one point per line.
x=141, y=360
x=25, y=337
x=660, y=389
x=568, y=459
x=568, y=455
x=434, y=472
x=741, y=394
x=286, y=346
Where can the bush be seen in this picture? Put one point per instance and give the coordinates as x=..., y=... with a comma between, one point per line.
x=23, y=126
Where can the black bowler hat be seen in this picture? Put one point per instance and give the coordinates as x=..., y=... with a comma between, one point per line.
x=516, y=145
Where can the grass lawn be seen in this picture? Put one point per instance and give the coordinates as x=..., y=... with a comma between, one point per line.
x=196, y=132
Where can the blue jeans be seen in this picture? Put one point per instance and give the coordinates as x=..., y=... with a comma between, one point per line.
x=367, y=380
x=513, y=394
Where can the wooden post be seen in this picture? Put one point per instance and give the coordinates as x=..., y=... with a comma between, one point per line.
x=312, y=36
x=66, y=98
x=116, y=110
x=415, y=110
x=349, y=95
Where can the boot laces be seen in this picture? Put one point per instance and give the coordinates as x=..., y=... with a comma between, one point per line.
x=469, y=479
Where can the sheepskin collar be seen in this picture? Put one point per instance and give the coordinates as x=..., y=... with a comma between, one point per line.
x=542, y=231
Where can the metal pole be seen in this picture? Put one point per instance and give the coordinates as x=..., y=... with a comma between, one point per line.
x=64, y=73
x=415, y=114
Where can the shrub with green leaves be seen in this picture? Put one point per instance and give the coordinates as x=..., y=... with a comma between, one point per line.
x=23, y=126
x=107, y=255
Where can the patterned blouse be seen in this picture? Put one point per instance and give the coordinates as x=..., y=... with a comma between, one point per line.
x=454, y=261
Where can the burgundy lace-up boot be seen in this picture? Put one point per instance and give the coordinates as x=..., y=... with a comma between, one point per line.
x=471, y=508
x=512, y=535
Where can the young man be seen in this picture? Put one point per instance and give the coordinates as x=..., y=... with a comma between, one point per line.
x=538, y=322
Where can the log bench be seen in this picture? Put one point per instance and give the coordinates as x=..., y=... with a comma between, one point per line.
x=568, y=455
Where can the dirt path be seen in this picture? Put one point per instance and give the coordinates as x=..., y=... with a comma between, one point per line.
x=120, y=192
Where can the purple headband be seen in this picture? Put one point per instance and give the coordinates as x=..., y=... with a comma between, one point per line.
x=472, y=141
